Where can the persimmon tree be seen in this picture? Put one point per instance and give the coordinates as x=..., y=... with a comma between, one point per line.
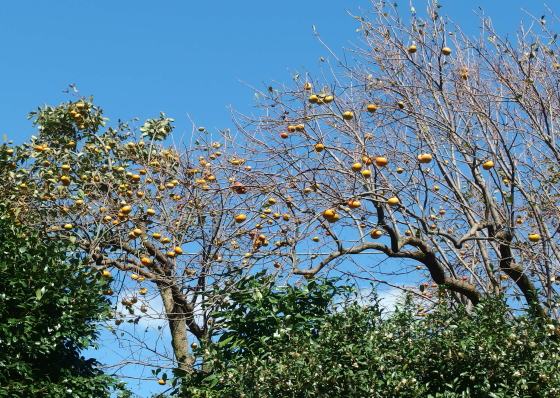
x=160, y=222
x=430, y=147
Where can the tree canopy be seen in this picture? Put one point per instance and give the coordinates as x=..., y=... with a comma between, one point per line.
x=321, y=340
x=50, y=312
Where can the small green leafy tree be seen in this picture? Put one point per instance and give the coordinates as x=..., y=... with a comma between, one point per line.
x=295, y=342
x=50, y=307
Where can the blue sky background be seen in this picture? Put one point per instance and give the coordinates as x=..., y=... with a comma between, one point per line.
x=139, y=58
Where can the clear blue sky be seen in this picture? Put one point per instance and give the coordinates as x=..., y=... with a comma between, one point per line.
x=141, y=57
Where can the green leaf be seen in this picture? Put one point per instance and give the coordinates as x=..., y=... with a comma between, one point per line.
x=224, y=342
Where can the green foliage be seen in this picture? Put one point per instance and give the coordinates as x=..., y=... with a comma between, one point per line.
x=157, y=129
x=293, y=342
x=50, y=305
x=68, y=121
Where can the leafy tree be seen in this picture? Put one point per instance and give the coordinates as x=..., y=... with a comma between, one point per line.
x=314, y=340
x=50, y=311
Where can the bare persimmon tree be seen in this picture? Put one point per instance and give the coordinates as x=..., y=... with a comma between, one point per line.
x=431, y=147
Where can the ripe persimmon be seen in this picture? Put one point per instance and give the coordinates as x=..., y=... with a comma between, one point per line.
x=425, y=158
x=381, y=161
x=394, y=201
x=534, y=237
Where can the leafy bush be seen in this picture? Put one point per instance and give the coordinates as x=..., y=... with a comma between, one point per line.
x=50, y=306
x=293, y=342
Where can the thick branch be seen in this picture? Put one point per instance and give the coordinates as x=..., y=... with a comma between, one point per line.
x=516, y=272
x=423, y=255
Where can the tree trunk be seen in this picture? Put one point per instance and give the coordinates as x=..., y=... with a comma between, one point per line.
x=178, y=329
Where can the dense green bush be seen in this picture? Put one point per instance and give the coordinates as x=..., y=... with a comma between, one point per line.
x=293, y=342
x=49, y=309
